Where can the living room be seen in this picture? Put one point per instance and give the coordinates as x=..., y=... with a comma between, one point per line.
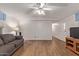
x=36, y=29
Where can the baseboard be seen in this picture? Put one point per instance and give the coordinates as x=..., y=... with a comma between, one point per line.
x=58, y=39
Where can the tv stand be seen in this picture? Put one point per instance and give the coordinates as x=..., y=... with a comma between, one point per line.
x=72, y=44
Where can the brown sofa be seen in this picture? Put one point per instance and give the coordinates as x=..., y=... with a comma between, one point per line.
x=9, y=44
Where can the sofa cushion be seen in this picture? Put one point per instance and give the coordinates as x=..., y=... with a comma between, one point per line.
x=8, y=38
x=17, y=42
x=18, y=37
x=6, y=50
x=1, y=42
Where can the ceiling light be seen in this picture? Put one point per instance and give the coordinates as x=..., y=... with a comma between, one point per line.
x=39, y=12
x=42, y=12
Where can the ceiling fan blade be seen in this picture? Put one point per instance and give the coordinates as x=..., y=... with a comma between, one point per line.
x=42, y=5
x=47, y=9
x=33, y=7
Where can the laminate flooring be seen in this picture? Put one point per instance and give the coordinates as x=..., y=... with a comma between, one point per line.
x=54, y=47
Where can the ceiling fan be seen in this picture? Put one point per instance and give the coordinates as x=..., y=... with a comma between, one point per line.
x=40, y=8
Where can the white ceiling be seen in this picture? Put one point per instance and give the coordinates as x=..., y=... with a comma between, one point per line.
x=22, y=9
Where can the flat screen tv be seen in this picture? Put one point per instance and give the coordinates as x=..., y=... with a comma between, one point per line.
x=74, y=32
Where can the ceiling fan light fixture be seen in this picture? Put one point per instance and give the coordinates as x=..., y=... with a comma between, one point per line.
x=39, y=12
x=42, y=12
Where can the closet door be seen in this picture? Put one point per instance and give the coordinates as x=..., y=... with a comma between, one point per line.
x=43, y=30
x=37, y=30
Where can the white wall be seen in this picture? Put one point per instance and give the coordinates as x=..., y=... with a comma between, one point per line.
x=43, y=30
x=37, y=30
x=9, y=24
x=31, y=30
x=60, y=31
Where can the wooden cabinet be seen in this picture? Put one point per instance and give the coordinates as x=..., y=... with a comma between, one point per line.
x=72, y=44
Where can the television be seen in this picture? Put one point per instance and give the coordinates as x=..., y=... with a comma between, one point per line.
x=74, y=32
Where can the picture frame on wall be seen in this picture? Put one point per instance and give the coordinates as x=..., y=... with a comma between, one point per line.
x=2, y=16
x=77, y=16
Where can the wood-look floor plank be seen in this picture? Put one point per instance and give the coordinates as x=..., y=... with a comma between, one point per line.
x=52, y=47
